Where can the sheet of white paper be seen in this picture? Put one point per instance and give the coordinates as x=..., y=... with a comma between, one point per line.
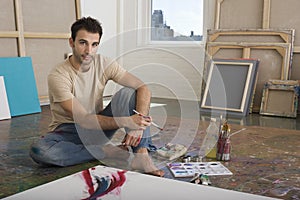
x=4, y=107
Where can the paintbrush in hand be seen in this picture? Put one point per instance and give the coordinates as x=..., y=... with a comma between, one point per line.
x=154, y=124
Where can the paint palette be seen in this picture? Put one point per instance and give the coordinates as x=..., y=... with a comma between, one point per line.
x=189, y=169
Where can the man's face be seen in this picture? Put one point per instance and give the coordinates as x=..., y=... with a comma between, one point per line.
x=85, y=47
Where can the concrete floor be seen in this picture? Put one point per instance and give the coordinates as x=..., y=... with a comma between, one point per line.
x=18, y=172
x=175, y=107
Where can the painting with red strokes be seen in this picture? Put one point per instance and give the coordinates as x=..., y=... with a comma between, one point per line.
x=101, y=183
x=106, y=183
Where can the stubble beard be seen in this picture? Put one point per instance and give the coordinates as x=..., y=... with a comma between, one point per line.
x=84, y=64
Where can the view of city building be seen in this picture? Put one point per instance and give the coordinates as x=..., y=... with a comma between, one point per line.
x=162, y=32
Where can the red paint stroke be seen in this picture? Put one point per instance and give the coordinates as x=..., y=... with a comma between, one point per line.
x=88, y=180
x=117, y=181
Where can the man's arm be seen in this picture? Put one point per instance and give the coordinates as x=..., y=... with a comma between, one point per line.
x=143, y=93
x=143, y=97
x=92, y=121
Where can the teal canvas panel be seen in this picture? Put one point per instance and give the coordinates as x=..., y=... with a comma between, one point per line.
x=20, y=85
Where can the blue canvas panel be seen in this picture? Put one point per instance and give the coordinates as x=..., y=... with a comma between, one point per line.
x=20, y=85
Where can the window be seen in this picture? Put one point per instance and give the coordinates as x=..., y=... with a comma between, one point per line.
x=177, y=20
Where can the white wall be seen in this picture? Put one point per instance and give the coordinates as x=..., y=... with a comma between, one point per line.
x=107, y=14
x=170, y=71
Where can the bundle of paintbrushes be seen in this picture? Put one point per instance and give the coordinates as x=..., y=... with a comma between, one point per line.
x=223, y=144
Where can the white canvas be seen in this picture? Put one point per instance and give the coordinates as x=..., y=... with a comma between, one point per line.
x=110, y=183
x=4, y=107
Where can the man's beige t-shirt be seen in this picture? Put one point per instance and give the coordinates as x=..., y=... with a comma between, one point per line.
x=64, y=83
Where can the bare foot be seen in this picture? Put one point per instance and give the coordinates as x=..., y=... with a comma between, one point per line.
x=119, y=152
x=143, y=162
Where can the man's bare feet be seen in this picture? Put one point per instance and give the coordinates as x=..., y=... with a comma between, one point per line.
x=118, y=152
x=143, y=162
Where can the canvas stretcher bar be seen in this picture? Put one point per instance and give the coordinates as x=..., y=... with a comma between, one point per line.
x=283, y=49
x=218, y=11
x=9, y=34
x=296, y=49
x=46, y=35
x=20, y=34
x=265, y=15
x=285, y=35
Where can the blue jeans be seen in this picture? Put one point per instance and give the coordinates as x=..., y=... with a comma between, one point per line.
x=70, y=144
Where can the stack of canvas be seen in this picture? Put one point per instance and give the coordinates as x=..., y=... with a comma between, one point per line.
x=273, y=48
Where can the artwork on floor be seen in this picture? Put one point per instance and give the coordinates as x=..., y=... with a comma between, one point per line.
x=4, y=107
x=102, y=182
x=230, y=86
x=20, y=85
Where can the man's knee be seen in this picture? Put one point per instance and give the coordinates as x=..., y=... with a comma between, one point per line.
x=44, y=158
x=37, y=155
x=40, y=152
x=123, y=101
x=127, y=92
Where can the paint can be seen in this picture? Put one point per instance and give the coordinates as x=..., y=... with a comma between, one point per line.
x=223, y=149
x=187, y=159
x=201, y=179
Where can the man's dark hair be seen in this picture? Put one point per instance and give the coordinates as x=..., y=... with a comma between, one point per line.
x=87, y=23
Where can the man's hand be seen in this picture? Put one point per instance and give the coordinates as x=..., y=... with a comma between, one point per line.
x=133, y=138
x=138, y=122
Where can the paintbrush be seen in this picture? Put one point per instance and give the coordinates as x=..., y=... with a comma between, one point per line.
x=232, y=134
x=154, y=124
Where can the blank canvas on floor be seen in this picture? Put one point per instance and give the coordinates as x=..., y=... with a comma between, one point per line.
x=4, y=107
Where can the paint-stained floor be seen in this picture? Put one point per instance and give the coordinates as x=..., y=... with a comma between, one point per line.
x=264, y=159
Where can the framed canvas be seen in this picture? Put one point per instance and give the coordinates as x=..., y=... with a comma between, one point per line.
x=280, y=98
x=230, y=86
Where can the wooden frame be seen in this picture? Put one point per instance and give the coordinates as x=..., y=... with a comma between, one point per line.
x=283, y=49
x=229, y=87
x=280, y=98
x=21, y=35
x=262, y=36
x=266, y=14
x=266, y=18
x=283, y=35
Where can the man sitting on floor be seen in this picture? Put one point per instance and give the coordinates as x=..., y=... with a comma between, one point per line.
x=81, y=129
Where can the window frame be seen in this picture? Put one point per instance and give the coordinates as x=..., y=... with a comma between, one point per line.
x=144, y=27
